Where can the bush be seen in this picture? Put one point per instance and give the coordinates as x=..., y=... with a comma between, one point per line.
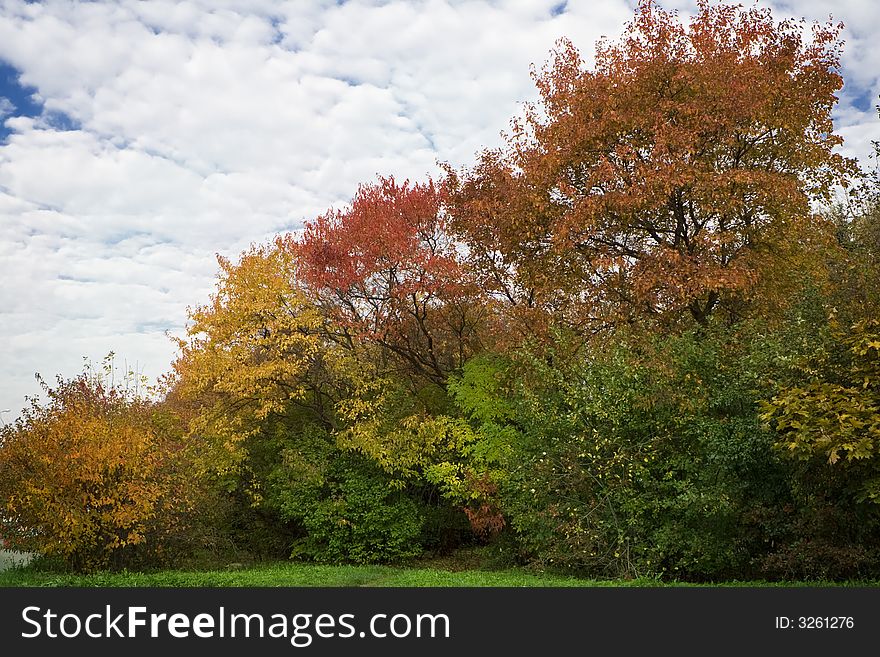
x=570, y=454
x=95, y=476
x=642, y=456
x=354, y=515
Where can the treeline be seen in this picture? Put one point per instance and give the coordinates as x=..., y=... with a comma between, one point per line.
x=628, y=343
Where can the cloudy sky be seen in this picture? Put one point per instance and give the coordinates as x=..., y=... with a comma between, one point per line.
x=138, y=139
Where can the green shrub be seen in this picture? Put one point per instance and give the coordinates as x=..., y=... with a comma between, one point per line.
x=642, y=456
x=356, y=516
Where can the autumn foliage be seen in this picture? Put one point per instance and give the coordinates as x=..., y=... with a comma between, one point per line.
x=91, y=476
x=637, y=340
x=672, y=176
x=250, y=350
x=835, y=417
x=386, y=270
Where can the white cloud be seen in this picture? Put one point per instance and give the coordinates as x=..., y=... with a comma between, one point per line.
x=204, y=126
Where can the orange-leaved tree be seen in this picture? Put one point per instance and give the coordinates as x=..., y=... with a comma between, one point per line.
x=674, y=176
x=93, y=476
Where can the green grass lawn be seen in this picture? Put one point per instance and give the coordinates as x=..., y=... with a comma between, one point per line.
x=300, y=574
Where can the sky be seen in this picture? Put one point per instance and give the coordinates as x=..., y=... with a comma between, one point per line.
x=140, y=139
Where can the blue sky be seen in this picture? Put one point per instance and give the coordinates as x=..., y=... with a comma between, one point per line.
x=15, y=99
x=139, y=139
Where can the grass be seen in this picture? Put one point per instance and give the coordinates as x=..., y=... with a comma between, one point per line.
x=293, y=574
x=285, y=574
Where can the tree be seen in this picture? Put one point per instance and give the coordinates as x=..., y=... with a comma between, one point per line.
x=676, y=175
x=857, y=274
x=264, y=385
x=828, y=417
x=91, y=476
x=256, y=348
x=386, y=272
x=835, y=417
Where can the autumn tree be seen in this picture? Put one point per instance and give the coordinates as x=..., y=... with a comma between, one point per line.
x=856, y=277
x=830, y=413
x=834, y=418
x=674, y=175
x=93, y=476
x=386, y=272
x=291, y=400
x=253, y=350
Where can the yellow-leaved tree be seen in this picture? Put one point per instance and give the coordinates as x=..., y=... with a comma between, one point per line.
x=95, y=476
x=253, y=350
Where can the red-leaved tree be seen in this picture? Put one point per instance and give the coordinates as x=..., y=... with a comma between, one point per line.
x=387, y=273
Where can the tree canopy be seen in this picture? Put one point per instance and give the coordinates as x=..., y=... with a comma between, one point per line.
x=640, y=339
x=675, y=174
